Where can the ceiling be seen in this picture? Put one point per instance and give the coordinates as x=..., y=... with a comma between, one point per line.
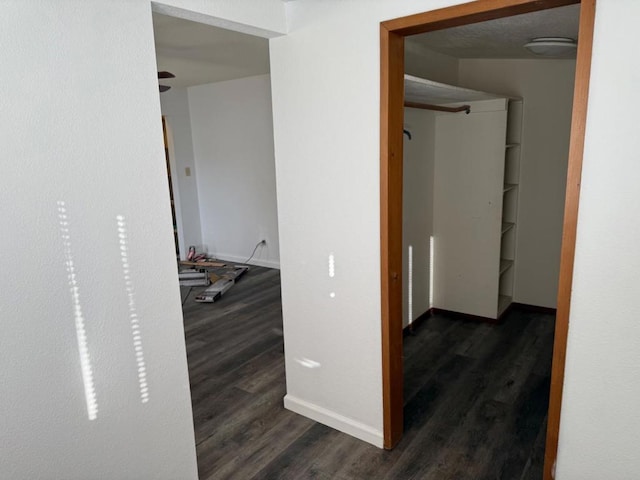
x=197, y=53
x=502, y=38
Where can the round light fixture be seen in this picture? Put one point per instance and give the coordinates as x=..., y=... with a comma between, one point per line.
x=552, y=46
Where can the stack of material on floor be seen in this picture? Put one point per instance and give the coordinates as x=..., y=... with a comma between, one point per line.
x=206, y=263
x=227, y=277
x=193, y=278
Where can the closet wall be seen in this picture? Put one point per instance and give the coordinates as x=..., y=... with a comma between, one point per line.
x=417, y=213
x=547, y=89
x=425, y=63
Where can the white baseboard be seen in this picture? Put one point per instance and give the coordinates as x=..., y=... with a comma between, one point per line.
x=254, y=261
x=334, y=420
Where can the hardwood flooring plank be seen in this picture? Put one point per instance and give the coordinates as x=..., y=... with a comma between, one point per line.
x=259, y=448
x=476, y=397
x=294, y=460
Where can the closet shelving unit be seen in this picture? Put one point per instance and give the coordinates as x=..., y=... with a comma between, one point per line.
x=421, y=90
x=476, y=188
x=510, y=203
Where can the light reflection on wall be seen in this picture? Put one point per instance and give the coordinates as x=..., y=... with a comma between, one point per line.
x=332, y=271
x=431, y=254
x=81, y=334
x=410, y=284
x=308, y=363
x=134, y=319
x=332, y=265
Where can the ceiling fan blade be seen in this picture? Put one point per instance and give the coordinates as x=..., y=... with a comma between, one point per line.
x=165, y=74
x=164, y=88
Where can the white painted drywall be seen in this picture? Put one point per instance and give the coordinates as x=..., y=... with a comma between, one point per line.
x=424, y=62
x=325, y=81
x=547, y=89
x=417, y=213
x=325, y=85
x=175, y=108
x=91, y=138
x=81, y=125
x=600, y=421
x=232, y=130
x=467, y=216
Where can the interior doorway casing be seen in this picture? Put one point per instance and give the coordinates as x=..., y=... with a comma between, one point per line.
x=392, y=35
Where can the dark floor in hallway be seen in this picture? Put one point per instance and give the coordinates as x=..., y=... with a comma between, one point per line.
x=476, y=397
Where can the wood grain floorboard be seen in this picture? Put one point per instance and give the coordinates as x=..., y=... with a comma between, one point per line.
x=476, y=397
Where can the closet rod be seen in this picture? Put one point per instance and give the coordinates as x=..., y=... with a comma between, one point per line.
x=427, y=106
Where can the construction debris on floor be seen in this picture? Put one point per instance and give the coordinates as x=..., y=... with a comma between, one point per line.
x=218, y=276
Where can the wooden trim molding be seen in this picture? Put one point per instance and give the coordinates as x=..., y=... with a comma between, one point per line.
x=568, y=249
x=391, y=144
x=392, y=35
x=467, y=13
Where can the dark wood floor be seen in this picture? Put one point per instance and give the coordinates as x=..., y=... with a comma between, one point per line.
x=476, y=398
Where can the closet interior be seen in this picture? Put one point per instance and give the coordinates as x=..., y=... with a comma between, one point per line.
x=485, y=157
x=474, y=207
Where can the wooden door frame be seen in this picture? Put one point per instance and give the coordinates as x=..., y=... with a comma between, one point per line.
x=392, y=35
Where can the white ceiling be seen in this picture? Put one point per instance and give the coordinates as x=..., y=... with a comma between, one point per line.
x=502, y=38
x=197, y=53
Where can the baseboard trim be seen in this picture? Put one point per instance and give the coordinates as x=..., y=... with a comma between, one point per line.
x=254, y=261
x=334, y=420
x=409, y=329
x=534, y=308
x=449, y=313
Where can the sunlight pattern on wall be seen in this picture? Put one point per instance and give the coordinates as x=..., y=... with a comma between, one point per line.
x=332, y=266
x=332, y=271
x=81, y=334
x=431, y=255
x=134, y=319
x=410, y=284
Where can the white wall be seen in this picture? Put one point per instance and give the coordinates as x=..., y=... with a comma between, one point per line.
x=328, y=187
x=81, y=125
x=417, y=213
x=424, y=62
x=94, y=140
x=600, y=416
x=175, y=108
x=325, y=85
x=232, y=130
x=547, y=89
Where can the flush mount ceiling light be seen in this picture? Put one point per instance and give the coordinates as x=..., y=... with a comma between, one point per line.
x=552, y=46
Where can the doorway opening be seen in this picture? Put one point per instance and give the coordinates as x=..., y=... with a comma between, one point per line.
x=393, y=35
x=215, y=98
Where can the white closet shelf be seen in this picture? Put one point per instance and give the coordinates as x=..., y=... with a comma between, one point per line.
x=505, y=265
x=509, y=186
x=503, y=303
x=421, y=90
x=506, y=226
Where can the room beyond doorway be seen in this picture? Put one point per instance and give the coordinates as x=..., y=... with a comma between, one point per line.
x=392, y=70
